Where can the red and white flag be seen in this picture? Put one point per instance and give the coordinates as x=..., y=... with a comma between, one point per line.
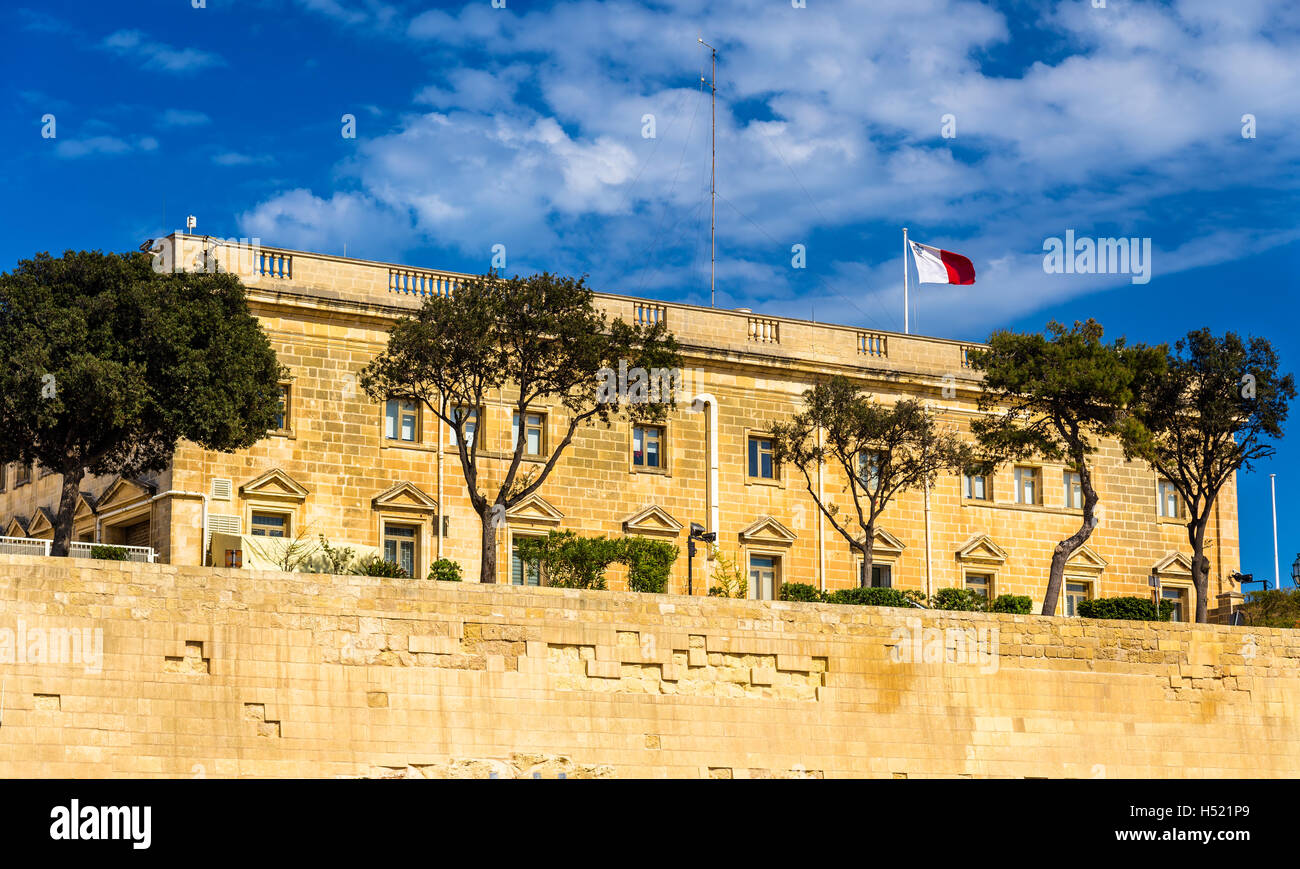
x=934, y=266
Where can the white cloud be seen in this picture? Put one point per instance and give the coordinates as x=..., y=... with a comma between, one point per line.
x=184, y=118
x=157, y=55
x=542, y=149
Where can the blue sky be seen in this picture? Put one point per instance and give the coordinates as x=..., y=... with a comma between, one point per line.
x=524, y=126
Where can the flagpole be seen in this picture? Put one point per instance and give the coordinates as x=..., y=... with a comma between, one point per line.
x=905, y=322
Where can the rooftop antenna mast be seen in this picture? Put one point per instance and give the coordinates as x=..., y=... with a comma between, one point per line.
x=713, y=173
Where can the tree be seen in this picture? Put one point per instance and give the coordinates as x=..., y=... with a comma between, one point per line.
x=1209, y=416
x=882, y=450
x=542, y=340
x=105, y=365
x=1056, y=396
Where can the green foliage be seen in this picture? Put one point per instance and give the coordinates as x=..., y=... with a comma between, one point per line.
x=649, y=563
x=1056, y=396
x=909, y=446
x=541, y=338
x=729, y=578
x=571, y=561
x=108, y=553
x=568, y=560
x=1138, y=609
x=336, y=560
x=1215, y=412
x=962, y=599
x=373, y=565
x=1019, y=604
x=105, y=365
x=445, y=570
x=872, y=596
x=800, y=591
x=1272, y=608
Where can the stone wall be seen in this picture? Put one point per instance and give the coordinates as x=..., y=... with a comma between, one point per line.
x=214, y=672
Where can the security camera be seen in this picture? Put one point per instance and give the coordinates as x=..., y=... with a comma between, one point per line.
x=696, y=529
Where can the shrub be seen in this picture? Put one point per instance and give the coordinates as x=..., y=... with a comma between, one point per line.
x=373, y=565
x=108, y=553
x=445, y=570
x=336, y=558
x=1137, y=609
x=873, y=596
x=649, y=563
x=1272, y=608
x=800, y=591
x=962, y=599
x=1019, y=604
x=729, y=578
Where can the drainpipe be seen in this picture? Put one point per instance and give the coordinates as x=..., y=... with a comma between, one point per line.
x=821, y=528
x=441, y=507
x=929, y=581
x=706, y=400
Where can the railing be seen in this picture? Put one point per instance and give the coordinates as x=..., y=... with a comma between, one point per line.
x=418, y=283
x=274, y=265
x=965, y=356
x=24, y=546
x=38, y=546
x=647, y=314
x=141, y=554
x=873, y=344
x=764, y=331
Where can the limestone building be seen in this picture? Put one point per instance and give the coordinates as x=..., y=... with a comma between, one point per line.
x=384, y=477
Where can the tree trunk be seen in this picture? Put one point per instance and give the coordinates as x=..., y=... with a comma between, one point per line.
x=67, y=509
x=1200, y=569
x=1067, y=547
x=865, y=579
x=488, y=563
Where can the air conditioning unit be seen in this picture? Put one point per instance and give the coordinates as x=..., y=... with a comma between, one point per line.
x=222, y=523
x=221, y=489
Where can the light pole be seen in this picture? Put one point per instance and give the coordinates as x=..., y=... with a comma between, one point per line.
x=697, y=533
x=1277, y=576
x=1295, y=571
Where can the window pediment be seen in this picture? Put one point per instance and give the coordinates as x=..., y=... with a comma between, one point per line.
x=768, y=530
x=534, y=510
x=652, y=520
x=274, y=485
x=405, y=496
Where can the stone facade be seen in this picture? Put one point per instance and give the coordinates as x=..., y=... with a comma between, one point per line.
x=115, y=669
x=333, y=471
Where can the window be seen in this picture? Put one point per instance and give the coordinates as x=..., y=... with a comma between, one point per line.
x=1073, y=490
x=22, y=475
x=523, y=572
x=1179, y=597
x=282, y=415
x=761, y=466
x=534, y=433
x=978, y=485
x=763, y=576
x=1170, y=503
x=401, y=420
x=1075, y=592
x=1026, y=485
x=647, y=446
x=882, y=575
x=471, y=425
x=270, y=524
x=4, y=476
x=401, y=546
x=869, y=470
x=980, y=583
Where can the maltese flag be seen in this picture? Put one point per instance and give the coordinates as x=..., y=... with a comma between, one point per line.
x=934, y=266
